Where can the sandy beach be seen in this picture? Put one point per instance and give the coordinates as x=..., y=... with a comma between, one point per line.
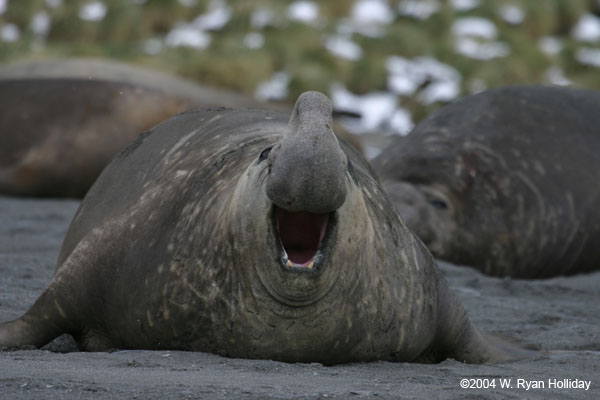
x=559, y=314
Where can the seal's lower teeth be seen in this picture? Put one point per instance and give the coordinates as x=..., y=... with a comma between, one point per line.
x=310, y=265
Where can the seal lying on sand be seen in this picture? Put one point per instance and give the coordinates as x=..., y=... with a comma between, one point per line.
x=506, y=181
x=232, y=232
x=61, y=122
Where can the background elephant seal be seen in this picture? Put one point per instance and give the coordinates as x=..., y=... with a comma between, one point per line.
x=232, y=232
x=62, y=121
x=506, y=180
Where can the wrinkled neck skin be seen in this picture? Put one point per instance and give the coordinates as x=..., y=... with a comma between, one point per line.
x=292, y=308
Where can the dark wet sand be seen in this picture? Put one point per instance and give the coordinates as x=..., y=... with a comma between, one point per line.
x=557, y=314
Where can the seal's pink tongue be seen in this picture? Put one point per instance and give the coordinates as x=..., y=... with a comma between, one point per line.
x=301, y=234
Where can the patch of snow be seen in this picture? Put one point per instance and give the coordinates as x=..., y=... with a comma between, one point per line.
x=556, y=76
x=372, y=12
x=401, y=121
x=275, y=88
x=587, y=28
x=474, y=38
x=368, y=18
x=474, y=27
x=254, y=40
x=464, y=5
x=406, y=76
x=194, y=34
x=375, y=109
x=40, y=23
x=215, y=18
x=447, y=90
x=306, y=12
x=550, y=45
x=480, y=50
x=93, y=11
x=10, y=33
x=187, y=35
x=403, y=85
x=512, y=14
x=418, y=9
x=343, y=47
x=588, y=56
x=3, y=6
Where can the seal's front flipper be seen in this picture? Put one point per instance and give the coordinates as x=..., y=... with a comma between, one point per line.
x=505, y=348
x=458, y=338
x=482, y=348
x=63, y=306
x=36, y=327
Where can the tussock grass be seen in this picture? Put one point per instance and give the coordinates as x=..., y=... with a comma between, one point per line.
x=298, y=48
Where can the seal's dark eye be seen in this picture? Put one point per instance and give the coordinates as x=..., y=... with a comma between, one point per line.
x=439, y=204
x=264, y=154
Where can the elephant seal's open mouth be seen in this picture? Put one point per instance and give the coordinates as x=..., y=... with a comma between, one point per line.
x=302, y=236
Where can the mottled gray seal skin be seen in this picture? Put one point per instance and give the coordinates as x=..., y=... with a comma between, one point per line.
x=505, y=181
x=186, y=242
x=61, y=122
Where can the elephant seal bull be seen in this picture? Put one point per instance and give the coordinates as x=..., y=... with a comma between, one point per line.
x=505, y=181
x=236, y=233
x=62, y=121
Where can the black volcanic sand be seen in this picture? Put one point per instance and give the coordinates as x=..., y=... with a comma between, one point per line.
x=557, y=314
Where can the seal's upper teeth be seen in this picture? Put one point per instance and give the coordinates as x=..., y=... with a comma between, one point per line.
x=311, y=265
